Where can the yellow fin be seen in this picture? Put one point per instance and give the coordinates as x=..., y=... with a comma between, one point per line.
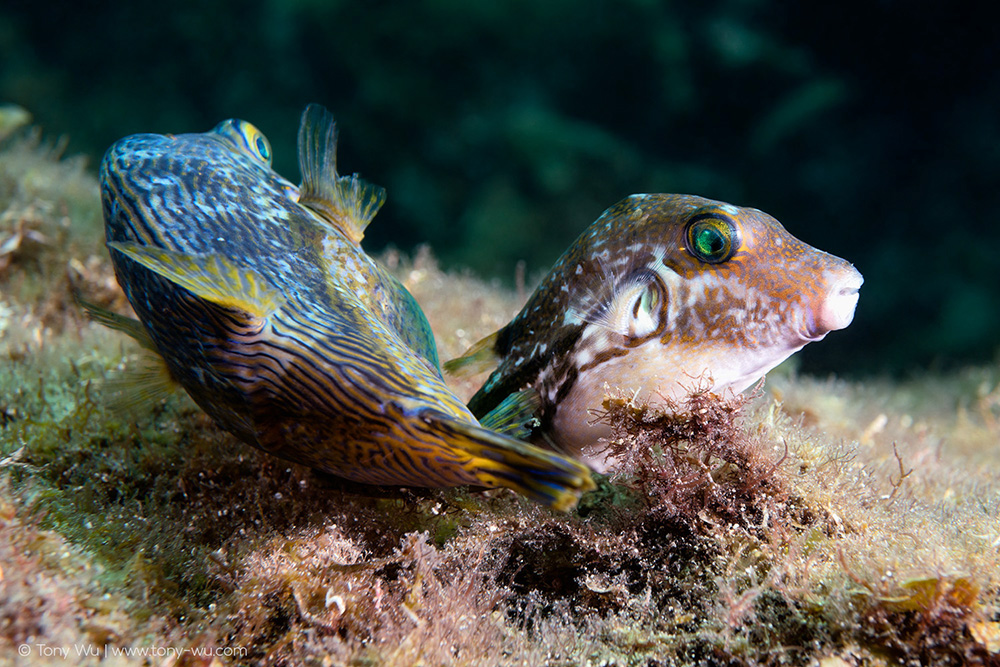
x=479, y=358
x=211, y=277
x=142, y=385
x=129, y=326
x=346, y=203
x=498, y=460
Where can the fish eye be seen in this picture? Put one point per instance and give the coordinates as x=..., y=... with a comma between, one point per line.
x=255, y=141
x=263, y=150
x=712, y=238
x=248, y=138
x=646, y=301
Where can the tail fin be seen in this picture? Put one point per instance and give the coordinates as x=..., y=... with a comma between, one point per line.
x=543, y=476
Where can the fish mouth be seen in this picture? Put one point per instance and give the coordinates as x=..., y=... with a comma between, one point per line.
x=810, y=336
x=836, y=311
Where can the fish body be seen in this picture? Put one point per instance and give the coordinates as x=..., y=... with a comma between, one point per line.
x=661, y=295
x=266, y=310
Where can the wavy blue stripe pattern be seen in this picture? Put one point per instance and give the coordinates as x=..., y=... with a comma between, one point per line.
x=343, y=376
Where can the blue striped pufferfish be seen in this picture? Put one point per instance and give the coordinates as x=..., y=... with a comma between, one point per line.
x=265, y=309
x=661, y=295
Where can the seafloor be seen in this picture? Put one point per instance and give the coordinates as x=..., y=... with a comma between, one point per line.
x=821, y=522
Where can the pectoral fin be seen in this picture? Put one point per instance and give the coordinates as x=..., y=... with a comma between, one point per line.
x=211, y=277
x=515, y=415
x=479, y=358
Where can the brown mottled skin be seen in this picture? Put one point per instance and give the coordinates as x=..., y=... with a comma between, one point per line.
x=630, y=305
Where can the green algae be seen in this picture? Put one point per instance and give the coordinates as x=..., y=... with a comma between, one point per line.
x=844, y=523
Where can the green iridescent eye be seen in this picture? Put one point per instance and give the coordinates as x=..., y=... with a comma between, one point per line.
x=712, y=238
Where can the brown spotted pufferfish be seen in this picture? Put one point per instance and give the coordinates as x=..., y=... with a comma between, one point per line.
x=662, y=294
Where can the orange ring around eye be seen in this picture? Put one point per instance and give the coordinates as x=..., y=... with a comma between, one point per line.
x=711, y=238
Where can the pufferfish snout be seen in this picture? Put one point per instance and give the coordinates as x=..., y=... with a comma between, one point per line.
x=837, y=308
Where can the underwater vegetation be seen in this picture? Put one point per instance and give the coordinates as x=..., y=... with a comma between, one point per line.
x=815, y=521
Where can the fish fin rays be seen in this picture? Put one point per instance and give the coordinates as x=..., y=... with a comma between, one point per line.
x=211, y=277
x=142, y=384
x=129, y=326
x=479, y=358
x=346, y=203
x=630, y=309
x=515, y=415
x=623, y=299
x=498, y=460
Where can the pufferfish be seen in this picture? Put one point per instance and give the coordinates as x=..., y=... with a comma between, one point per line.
x=265, y=309
x=661, y=295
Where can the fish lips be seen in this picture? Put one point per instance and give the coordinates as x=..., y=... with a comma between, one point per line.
x=836, y=309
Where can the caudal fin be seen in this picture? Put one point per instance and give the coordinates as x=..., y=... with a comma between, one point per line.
x=500, y=461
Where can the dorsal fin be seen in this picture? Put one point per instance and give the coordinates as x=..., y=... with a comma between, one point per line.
x=346, y=203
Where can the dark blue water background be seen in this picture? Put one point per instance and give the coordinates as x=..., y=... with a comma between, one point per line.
x=501, y=129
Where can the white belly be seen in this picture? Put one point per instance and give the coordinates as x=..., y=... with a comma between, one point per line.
x=652, y=375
